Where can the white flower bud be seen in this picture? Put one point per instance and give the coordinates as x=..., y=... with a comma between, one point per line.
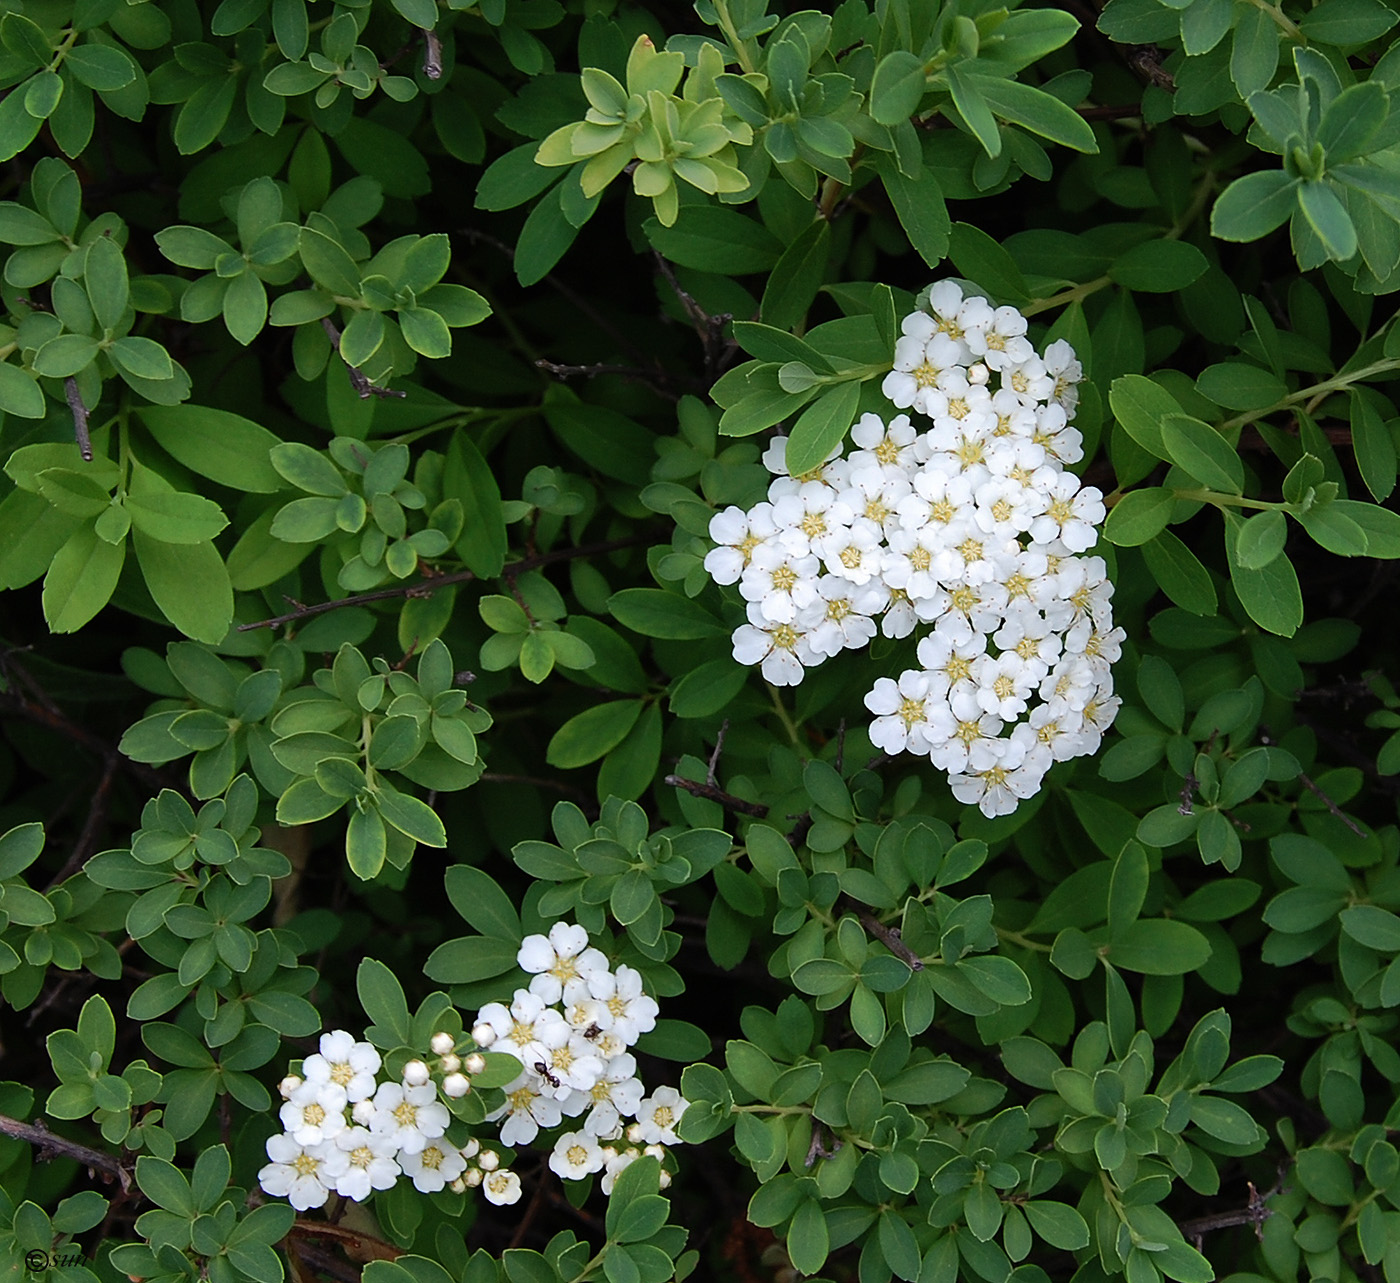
x=288, y=1085
x=442, y=1043
x=363, y=1112
x=657, y=1152
x=455, y=1085
x=459, y=1186
x=978, y=374
x=415, y=1073
x=665, y=1178
x=450, y=1064
x=472, y=1177
x=634, y=1133
x=475, y=1063
x=488, y=1160
x=471, y=1149
x=483, y=1035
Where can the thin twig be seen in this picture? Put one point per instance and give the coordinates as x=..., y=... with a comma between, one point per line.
x=709, y=328
x=50, y=1145
x=1255, y=1213
x=1306, y=781
x=429, y=584
x=655, y=379
x=432, y=54
x=726, y=800
x=80, y=417
x=358, y=381
x=536, y=781
x=97, y=814
x=840, y=761
x=710, y=773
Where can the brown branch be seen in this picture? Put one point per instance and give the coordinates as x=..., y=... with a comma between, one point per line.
x=890, y=938
x=96, y=816
x=726, y=800
x=358, y=1245
x=712, y=767
x=1255, y=1213
x=52, y=1146
x=429, y=584
x=655, y=379
x=80, y=417
x=358, y=381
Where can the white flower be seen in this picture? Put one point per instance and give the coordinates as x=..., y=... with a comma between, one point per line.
x=840, y=618
x=778, y=583
x=1029, y=380
x=890, y=447
x=501, y=1188
x=737, y=533
x=1004, y=684
x=557, y=959
x=854, y=553
x=528, y=1029
x=297, y=1173
x=314, y=1112
x=1058, y=727
x=576, y=1155
x=575, y=1066
x=783, y=650
x=808, y=518
x=633, y=1012
x=363, y=1162
x=350, y=1065
x=1061, y=364
x=1001, y=782
x=409, y=1116
x=614, y=1096
x=526, y=1110
x=962, y=734
x=902, y=711
x=1071, y=513
x=434, y=1166
x=658, y=1114
x=1002, y=342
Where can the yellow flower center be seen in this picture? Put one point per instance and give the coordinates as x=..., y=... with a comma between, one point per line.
x=304, y=1165
x=850, y=557
x=1002, y=510
x=784, y=578
x=1019, y=381
x=943, y=511
x=1017, y=585
x=342, y=1073
x=746, y=546
x=520, y=1099
x=405, y=1113
x=877, y=511
x=1060, y=510
x=431, y=1157
x=921, y=559
x=967, y=732
x=887, y=451
x=1028, y=647
x=925, y=375
x=663, y=1116
x=958, y=407
x=996, y=342
x=784, y=638
x=969, y=452
x=576, y=1155
x=910, y=712
x=965, y=598
x=1004, y=687
x=970, y=550
x=958, y=669
x=814, y=524
x=314, y=1114
x=1079, y=598
x=838, y=608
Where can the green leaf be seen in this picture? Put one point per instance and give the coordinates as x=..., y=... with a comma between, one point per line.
x=1159, y=947
x=1238, y=385
x=895, y=94
x=919, y=206
x=20, y=395
x=587, y=736
x=1159, y=267
x=1140, y=406
x=1224, y=1120
x=1261, y=539
x=220, y=445
x=1254, y=205
x=1179, y=573
x=1139, y=516
x=1271, y=595
x=1199, y=449
x=1347, y=22
x=982, y=260
x=1373, y=444
x=1328, y=217
x=653, y=612
x=176, y=518
x=189, y=583
x=470, y=959
x=968, y=99
x=382, y=998
x=412, y=817
x=204, y=114
x=1058, y=1224
x=104, y=276
x=808, y=1239
x=799, y=273
x=81, y=580
x=821, y=428
x=1040, y=112
x=710, y=238
x=328, y=263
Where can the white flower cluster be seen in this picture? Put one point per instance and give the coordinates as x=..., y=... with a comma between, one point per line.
x=970, y=525
x=347, y=1133
x=571, y=1030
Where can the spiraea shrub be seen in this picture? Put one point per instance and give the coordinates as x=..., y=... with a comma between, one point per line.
x=736, y=642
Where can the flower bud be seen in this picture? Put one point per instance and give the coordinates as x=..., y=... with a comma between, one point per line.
x=472, y=1177
x=483, y=1035
x=665, y=1178
x=459, y=1186
x=657, y=1152
x=288, y=1085
x=363, y=1112
x=488, y=1160
x=450, y=1063
x=442, y=1043
x=978, y=374
x=634, y=1133
x=456, y=1086
x=415, y=1073
x=475, y=1063
x=471, y=1149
